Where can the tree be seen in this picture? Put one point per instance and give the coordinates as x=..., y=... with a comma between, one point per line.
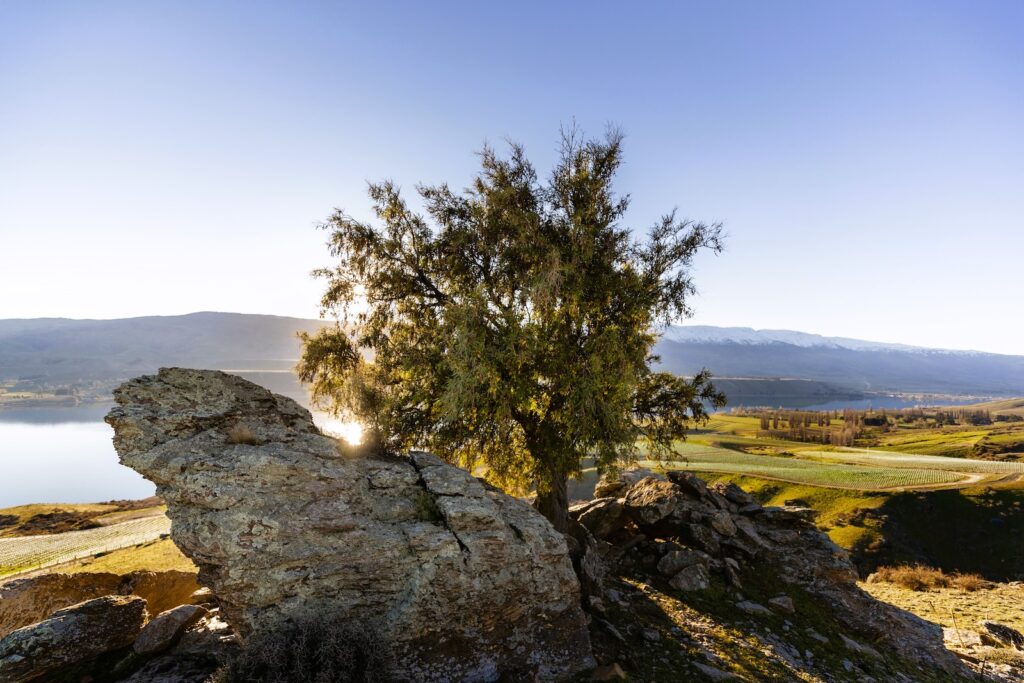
x=511, y=325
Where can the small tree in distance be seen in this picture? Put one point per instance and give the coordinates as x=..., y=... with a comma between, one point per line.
x=514, y=328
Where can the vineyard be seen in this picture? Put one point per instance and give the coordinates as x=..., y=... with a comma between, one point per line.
x=27, y=553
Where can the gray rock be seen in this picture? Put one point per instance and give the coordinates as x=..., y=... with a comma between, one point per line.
x=692, y=578
x=711, y=673
x=689, y=483
x=615, y=484
x=420, y=550
x=673, y=562
x=71, y=636
x=721, y=522
x=753, y=608
x=602, y=516
x=651, y=500
x=166, y=628
x=782, y=603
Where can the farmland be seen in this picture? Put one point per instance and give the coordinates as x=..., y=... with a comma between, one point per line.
x=27, y=553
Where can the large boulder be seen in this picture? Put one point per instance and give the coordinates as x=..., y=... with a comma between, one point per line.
x=29, y=600
x=466, y=583
x=71, y=636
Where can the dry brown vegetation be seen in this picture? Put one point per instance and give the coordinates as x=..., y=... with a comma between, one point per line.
x=240, y=434
x=921, y=578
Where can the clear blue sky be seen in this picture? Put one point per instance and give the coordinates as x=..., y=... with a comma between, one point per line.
x=867, y=158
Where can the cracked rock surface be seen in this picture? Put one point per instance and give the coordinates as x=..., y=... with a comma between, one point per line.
x=465, y=582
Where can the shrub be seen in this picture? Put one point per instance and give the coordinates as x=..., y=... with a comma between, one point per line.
x=921, y=578
x=240, y=434
x=311, y=648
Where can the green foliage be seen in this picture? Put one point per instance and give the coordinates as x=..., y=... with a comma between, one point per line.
x=512, y=325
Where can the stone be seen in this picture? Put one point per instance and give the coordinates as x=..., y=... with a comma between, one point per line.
x=71, y=636
x=782, y=603
x=713, y=674
x=201, y=651
x=614, y=485
x=30, y=600
x=673, y=562
x=734, y=494
x=689, y=483
x=1001, y=635
x=692, y=578
x=166, y=628
x=602, y=516
x=859, y=648
x=753, y=608
x=703, y=537
x=463, y=581
x=721, y=522
x=651, y=500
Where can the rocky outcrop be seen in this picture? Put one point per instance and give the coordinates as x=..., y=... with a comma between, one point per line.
x=684, y=532
x=465, y=582
x=165, y=629
x=30, y=600
x=71, y=636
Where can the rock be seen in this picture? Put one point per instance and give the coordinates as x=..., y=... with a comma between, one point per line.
x=614, y=485
x=703, y=537
x=201, y=651
x=1001, y=635
x=602, y=516
x=71, y=636
x=651, y=500
x=714, y=674
x=734, y=494
x=859, y=648
x=689, y=483
x=673, y=562
x=465, y=582
x=782, y=603
x=721, y=522
x=30, y=600
x=166, y=628
x=610, y=672
x=961, y=638
x=692, y=578
x=753, y=608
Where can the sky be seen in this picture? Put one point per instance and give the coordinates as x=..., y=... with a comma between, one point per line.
x=866, y=158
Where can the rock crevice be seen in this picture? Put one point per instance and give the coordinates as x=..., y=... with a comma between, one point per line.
x=465, y=582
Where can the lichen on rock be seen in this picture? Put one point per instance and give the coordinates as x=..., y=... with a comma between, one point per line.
x=466, y=582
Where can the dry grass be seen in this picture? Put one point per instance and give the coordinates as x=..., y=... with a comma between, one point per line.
x=921, y=578
x=955, y=607
x=157, y=556
x=240, y=434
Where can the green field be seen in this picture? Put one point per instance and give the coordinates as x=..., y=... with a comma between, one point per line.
x=813, y=473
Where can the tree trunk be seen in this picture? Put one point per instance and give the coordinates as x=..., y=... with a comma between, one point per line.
x=553, y=501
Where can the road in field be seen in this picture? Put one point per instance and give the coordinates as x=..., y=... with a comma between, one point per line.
x=26, y=553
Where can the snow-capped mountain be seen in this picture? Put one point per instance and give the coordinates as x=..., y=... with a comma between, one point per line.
x=748, y=335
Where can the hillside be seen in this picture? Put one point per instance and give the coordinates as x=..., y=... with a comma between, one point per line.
x=780, y=364
x=852, y=364
x=59, y=350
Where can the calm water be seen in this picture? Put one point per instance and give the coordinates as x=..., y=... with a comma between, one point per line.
x=62, y=455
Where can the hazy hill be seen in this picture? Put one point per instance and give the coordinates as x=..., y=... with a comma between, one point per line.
x=850, y=363
x=59, y=349
x=62, y=350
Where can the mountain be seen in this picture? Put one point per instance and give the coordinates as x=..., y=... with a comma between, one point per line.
x=52, y=350
x=850, y=364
